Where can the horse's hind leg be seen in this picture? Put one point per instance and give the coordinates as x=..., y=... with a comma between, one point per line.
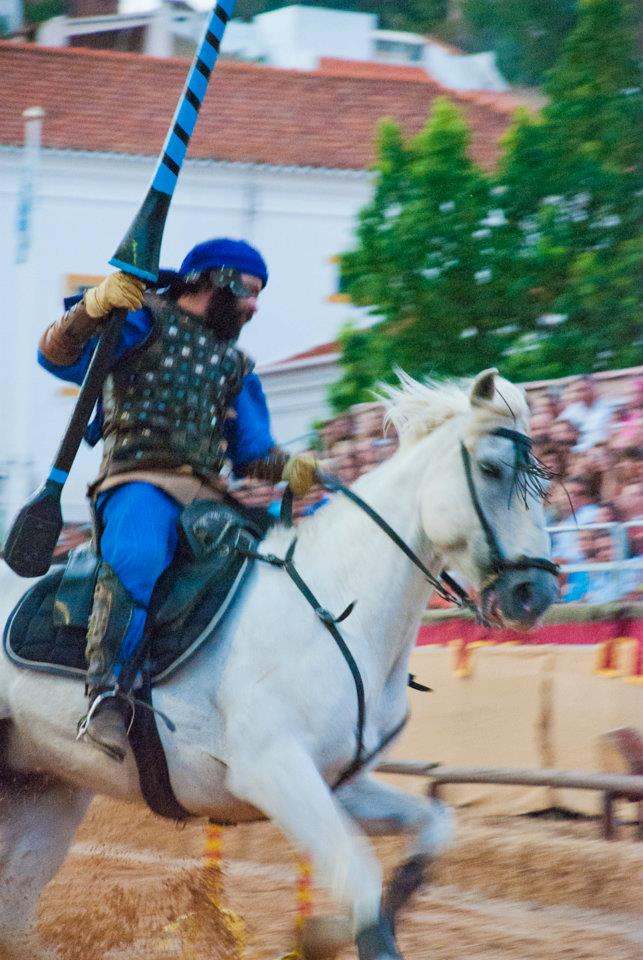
x=38, y=819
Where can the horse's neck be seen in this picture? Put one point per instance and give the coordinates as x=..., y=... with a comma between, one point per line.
x=345, y=556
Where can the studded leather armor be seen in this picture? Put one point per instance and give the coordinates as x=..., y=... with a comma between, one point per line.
x=165, y=405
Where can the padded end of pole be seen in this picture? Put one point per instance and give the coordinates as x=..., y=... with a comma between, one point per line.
x=140, y=248
x=29, y=547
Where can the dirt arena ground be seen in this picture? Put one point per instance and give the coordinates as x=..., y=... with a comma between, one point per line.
x=511, y=889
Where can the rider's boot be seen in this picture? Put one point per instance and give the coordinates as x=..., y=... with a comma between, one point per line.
x=104, y=724
x=111, y=621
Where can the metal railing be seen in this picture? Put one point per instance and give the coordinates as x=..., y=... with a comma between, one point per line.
x=620, y=581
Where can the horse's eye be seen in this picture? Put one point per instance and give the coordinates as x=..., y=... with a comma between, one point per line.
x=490, y=470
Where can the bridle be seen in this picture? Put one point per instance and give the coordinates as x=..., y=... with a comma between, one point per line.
x=447, y=588
x=444, y=584
x=499, y=563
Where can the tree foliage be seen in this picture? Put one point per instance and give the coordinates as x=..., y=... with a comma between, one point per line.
x=415, y=15
x=37, y=11
x=536, y=269
x=527, y=36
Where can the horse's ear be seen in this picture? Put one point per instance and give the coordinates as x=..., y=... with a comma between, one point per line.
x=483, y=387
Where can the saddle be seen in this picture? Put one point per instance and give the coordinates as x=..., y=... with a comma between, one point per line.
x=46, y=630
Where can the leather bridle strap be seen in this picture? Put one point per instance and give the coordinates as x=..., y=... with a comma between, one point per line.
x=499, y=563
x=445, y=586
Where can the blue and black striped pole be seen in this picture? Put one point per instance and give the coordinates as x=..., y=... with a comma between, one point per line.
x=33, y=535
x=140, y=248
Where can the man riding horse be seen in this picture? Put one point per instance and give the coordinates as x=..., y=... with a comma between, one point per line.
x=180, y=400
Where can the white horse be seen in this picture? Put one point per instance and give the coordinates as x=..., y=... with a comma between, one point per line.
x=266, y=717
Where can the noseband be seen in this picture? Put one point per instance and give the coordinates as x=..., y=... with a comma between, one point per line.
x=499, y=563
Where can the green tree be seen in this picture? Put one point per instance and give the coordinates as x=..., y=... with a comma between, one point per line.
x=527, y=36
x=421, y=260
x=536, y=270
x=415, y=15
x=38, y=10
x=573, y=198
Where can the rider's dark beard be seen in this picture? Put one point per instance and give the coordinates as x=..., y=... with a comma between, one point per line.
x=223, y=315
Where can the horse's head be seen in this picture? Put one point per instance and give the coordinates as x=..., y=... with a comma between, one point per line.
x=481, y=491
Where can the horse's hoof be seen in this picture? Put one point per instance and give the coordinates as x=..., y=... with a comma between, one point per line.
x=378, y=942
x=323, y=937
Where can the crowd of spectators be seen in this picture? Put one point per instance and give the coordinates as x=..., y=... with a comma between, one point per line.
x=592, y=443
x=594, y=446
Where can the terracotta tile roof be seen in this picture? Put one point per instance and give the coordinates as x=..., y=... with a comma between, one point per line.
x=321, y=350
x=333, y=66
x=103, y=100
x=372, y=69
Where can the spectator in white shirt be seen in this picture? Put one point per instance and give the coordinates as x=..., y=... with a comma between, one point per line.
x=590, y=414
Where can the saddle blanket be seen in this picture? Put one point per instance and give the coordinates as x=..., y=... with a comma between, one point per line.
x=46, y=630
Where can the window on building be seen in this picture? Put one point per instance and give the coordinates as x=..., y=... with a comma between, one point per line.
x=75, y=284
x=339, y=295
x=399, y=51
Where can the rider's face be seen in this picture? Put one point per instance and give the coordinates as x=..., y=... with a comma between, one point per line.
x=248, y=305
x=227, y=313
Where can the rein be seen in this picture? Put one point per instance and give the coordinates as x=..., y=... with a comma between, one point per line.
x=445, y=585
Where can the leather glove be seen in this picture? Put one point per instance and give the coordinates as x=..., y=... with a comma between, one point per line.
x=116, y=290
x=300, y=473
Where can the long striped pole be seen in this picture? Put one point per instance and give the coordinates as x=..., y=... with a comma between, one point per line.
x=140, y=248
x=34, y=532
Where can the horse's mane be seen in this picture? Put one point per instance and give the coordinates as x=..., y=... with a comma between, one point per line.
x=414, y=408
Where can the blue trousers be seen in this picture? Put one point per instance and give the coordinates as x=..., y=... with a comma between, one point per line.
x=139, y=538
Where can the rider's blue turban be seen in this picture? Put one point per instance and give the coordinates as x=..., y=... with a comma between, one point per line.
x=221, y=252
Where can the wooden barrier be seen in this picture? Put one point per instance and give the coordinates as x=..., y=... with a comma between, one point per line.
x=611, y=785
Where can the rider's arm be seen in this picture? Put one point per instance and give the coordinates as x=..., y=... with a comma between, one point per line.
x=66, y=344
x=251, y=446
x=60, y=351
x=253, y=450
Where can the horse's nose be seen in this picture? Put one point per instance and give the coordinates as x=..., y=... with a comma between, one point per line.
x=524, y=595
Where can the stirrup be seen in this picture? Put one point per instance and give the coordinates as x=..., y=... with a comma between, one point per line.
x=83, y=731
x=83, y=723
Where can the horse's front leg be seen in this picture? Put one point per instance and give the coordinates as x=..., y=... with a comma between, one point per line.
x=279, y=777
x=381, y=809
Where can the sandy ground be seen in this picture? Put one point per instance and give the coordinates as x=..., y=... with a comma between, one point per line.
x=511, y=889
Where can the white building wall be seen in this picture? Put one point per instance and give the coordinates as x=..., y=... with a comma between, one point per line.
x=299, y=219
x=297, y=36
x=297, y=395
x=476, y=71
